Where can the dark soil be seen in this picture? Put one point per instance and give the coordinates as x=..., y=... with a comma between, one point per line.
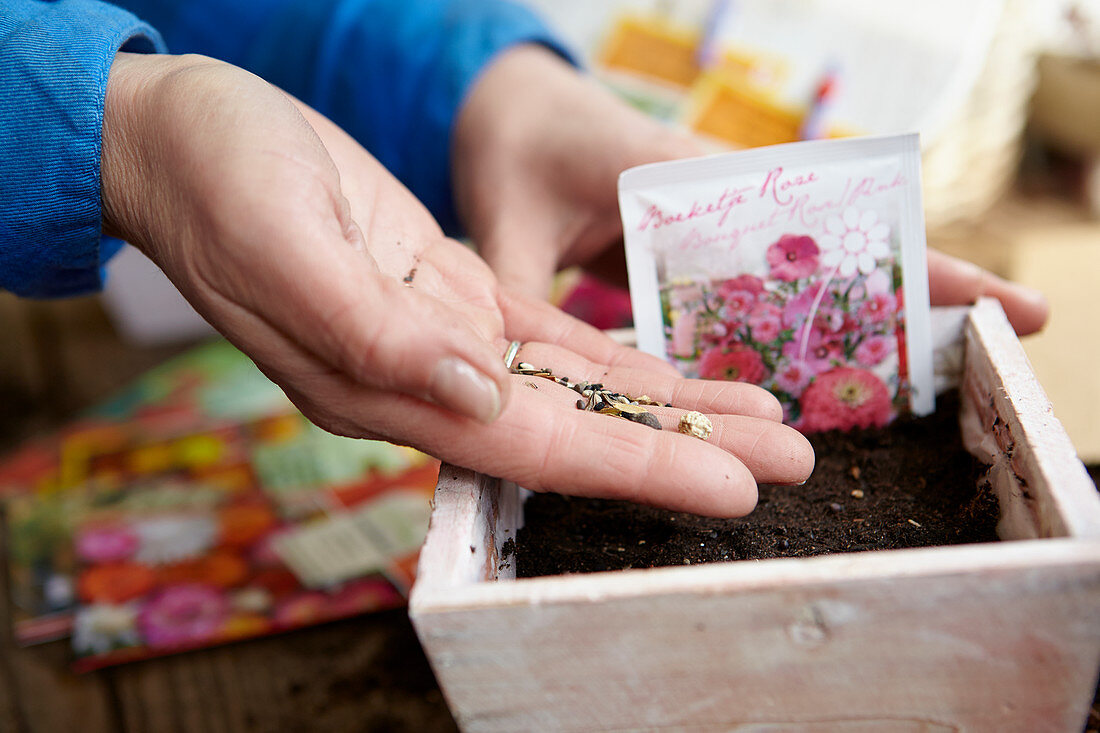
x=911, y=484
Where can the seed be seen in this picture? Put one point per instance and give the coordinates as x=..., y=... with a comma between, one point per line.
x=854, y=470
x=915, y=524
x=696, y=424
x=836, y=508
x=580, y=404
x=524, y=365
x=629, y=408
x=646, y=418
x=783, y=544
x=857, y=493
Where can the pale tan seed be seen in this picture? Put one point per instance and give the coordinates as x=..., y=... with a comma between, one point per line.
x=696, y=424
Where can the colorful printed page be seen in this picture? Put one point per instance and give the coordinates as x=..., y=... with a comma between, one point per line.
x=800, y=268
x=182, y=479
x=177, y=560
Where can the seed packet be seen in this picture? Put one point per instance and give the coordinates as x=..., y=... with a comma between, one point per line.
x=799, y=267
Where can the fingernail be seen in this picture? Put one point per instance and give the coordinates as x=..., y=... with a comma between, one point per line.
x=461, y=388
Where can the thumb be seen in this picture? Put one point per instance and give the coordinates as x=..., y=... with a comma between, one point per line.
x=402, y=340
x=952, y=281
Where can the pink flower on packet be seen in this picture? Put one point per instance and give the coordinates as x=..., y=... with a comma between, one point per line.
x=734, y=363
x=793, y=376
x=878, y=307
x=873, y=350
x=846, y=398
x=792, y=255
x=748, y=283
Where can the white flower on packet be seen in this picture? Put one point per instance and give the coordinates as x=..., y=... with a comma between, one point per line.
x=799, y=267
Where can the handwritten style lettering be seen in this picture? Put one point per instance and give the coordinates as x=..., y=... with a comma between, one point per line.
x=655, y=217
x=780, y=187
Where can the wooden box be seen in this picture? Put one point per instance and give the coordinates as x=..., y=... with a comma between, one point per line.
x=992, y=637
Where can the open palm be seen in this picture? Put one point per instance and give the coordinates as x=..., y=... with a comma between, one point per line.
x=304, y=252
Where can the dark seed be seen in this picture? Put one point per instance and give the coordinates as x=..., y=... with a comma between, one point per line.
x=580, y=404
x=668, y=404
x=645, y=418
x=783, y=544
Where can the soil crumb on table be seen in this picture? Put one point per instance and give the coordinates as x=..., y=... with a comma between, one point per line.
x=911, y=484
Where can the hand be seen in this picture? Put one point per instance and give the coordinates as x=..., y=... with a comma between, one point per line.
x=305, y=253
x=538, y=149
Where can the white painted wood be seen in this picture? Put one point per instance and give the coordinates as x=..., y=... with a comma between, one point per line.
x=963, y=639
x=1008, y=421
x=993, y=637
x=468, y=514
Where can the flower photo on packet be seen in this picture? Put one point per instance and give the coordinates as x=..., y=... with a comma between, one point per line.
x=799, y=268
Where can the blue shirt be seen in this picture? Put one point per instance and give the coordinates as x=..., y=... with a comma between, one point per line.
x=392, y=73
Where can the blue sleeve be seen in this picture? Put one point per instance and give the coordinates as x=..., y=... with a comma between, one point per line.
x=392, y=73
x=54, y=61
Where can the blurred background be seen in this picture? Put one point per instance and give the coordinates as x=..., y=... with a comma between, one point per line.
x=1005, y=94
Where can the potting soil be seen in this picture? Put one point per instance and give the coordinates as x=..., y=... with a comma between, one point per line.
x=911, y=484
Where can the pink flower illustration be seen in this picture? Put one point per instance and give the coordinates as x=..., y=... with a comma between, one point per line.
x=747, y=283
x=797, y=309
x=716, y=333
x=820, y=352
x=182, y=614
x=877, y=308
x=105, y=543
x=793, y=376
x=734, y=362
x=845, y=398
x=873, y=350
x=738, y=304
x=765, y=330
x=793, y=257
x=765, y=322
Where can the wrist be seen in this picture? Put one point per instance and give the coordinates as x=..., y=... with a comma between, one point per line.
x=132, y=130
